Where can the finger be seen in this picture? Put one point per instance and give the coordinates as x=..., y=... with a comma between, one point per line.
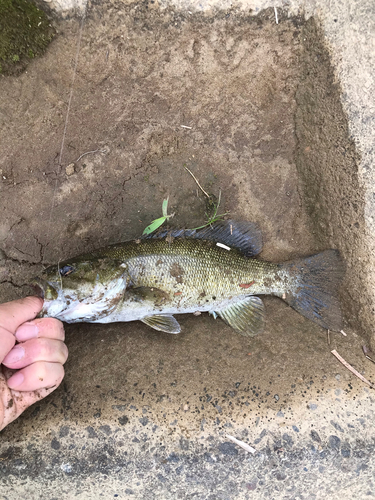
x=37, y=376
x=6, y=343
x=31, y=351
x=13, y=314
x=41, y=327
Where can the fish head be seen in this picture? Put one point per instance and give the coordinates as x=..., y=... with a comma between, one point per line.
x=84, y=290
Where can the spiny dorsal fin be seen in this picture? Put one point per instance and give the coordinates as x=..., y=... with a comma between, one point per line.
x=246, y=316
x=241, y=235
x=162, y=323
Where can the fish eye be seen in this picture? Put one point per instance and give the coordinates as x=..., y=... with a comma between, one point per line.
x=66, y=270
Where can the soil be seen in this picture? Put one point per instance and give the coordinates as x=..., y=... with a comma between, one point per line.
x=154, y=91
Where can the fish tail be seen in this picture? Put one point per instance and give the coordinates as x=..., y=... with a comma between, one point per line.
x=314, y=291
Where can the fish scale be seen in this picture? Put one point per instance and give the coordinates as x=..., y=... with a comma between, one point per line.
x=207, y=269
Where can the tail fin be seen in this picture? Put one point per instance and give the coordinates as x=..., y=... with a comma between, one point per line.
x=315, y=295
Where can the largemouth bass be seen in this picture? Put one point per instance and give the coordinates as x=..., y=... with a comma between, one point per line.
x=186, y=271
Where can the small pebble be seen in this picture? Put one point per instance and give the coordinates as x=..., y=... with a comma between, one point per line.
x=66, y=467
x=338, y=377
x=334, y=442
x=69, y=170
x=315, y=436
x=276, y=396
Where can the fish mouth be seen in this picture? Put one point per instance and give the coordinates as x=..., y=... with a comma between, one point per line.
x=52, y=303
x=38, y=290
x=44, y=289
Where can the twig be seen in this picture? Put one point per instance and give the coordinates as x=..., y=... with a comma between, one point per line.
x=353, y=370
x=328, y=338
x=276, y=18
x=58, y=272
x=243, y=445
x=196, y=180
x=366, y=352
x=342, y=331
x=185, y=126
x=91, y=152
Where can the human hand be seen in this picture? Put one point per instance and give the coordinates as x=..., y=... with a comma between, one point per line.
x=38, y=356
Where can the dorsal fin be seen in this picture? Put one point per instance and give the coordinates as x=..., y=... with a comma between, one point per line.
x=241, y=235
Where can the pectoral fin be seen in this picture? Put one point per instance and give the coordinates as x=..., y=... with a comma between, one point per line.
x=162, y=323
x=246, y=316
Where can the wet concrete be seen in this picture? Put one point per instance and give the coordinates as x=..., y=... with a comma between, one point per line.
x=142, y=414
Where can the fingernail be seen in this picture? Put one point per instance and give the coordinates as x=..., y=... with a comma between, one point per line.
x=15, y=380
x=14, y=355
x=27, y=331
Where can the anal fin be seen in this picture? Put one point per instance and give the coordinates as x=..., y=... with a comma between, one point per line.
x=245, y=316
x=162, y=323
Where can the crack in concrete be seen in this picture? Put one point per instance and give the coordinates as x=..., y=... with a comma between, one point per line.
x=23, y=253
x=12, y=259
x=10, y=282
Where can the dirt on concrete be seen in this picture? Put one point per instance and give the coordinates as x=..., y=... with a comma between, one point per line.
x=142, y=414
x=141, y=76
x=327, y=162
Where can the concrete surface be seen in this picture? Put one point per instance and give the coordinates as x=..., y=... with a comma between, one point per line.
x=142, y=414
